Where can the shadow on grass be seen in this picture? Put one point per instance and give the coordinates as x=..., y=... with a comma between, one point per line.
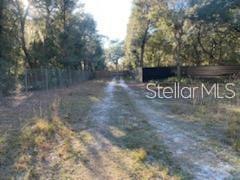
x=125, y=129
x=19, y=156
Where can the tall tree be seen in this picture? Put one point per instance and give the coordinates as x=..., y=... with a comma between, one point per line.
x=47, y=12
x=21, y=13
x=138, y=30
x=66, y=8
x=9, y=47
x=115, y=52
x=193, y=32
x=47, y=33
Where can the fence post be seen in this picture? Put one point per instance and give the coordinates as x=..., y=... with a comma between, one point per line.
x=26, y=80
x=70, y=76
x=59, y=78
x=1, y=95
x=41, y=77
x=46, y=78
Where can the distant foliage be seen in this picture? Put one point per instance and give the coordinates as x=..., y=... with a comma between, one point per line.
x=178, y=32
x=115, y=53
x=48, y=34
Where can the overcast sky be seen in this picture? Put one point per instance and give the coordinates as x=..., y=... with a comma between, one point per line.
x=111, y=16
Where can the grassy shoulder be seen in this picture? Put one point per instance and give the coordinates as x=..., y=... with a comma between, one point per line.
x=219, y=115
x=64, y=143
x=42, y=145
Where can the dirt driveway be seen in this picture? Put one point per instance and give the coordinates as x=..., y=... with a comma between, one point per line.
x=188, y=143
x=108, y=130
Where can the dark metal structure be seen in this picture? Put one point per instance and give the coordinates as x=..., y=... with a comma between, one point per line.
x=209, y=72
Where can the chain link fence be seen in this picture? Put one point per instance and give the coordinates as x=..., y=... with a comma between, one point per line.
x=44, y=79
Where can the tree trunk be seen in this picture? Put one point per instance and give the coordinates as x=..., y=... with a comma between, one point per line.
x=178, y=37
x=178, y=58
x=198, y=55
x=178, y=63
x=209, y=53
x=1, y=31
x=24, y=47
x=116, y=67
x=64, y=49
x=46, y=39
x=90, y=67
x=142, y=54
x=22, y=20
x=85, y=65
x=144, y=41
x=1, y=22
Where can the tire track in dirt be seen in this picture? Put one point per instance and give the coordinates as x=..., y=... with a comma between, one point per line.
x=189, y=148
x=103, y=159
x=108, y=156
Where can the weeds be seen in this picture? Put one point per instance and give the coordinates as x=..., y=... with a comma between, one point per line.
x=149, y=155
x=139, y=155
x=27, y=152
x=233, y=130
x=222, y=114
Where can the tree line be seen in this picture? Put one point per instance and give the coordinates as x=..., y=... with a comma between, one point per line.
x=46, y=34
x=180, y=32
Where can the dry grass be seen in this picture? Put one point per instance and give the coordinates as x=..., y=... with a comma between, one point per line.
x=59, y=141
x=222, y=116
x=149, y=157
x=233, y=130
x=44, y=130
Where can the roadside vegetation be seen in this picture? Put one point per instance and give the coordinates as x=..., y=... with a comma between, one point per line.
x=43, y=142
x=194, y=33
x=95, y=130
x=37, y=35
x=219, y=115
x=140, y=139
x=183, y=33
x=63, y=139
